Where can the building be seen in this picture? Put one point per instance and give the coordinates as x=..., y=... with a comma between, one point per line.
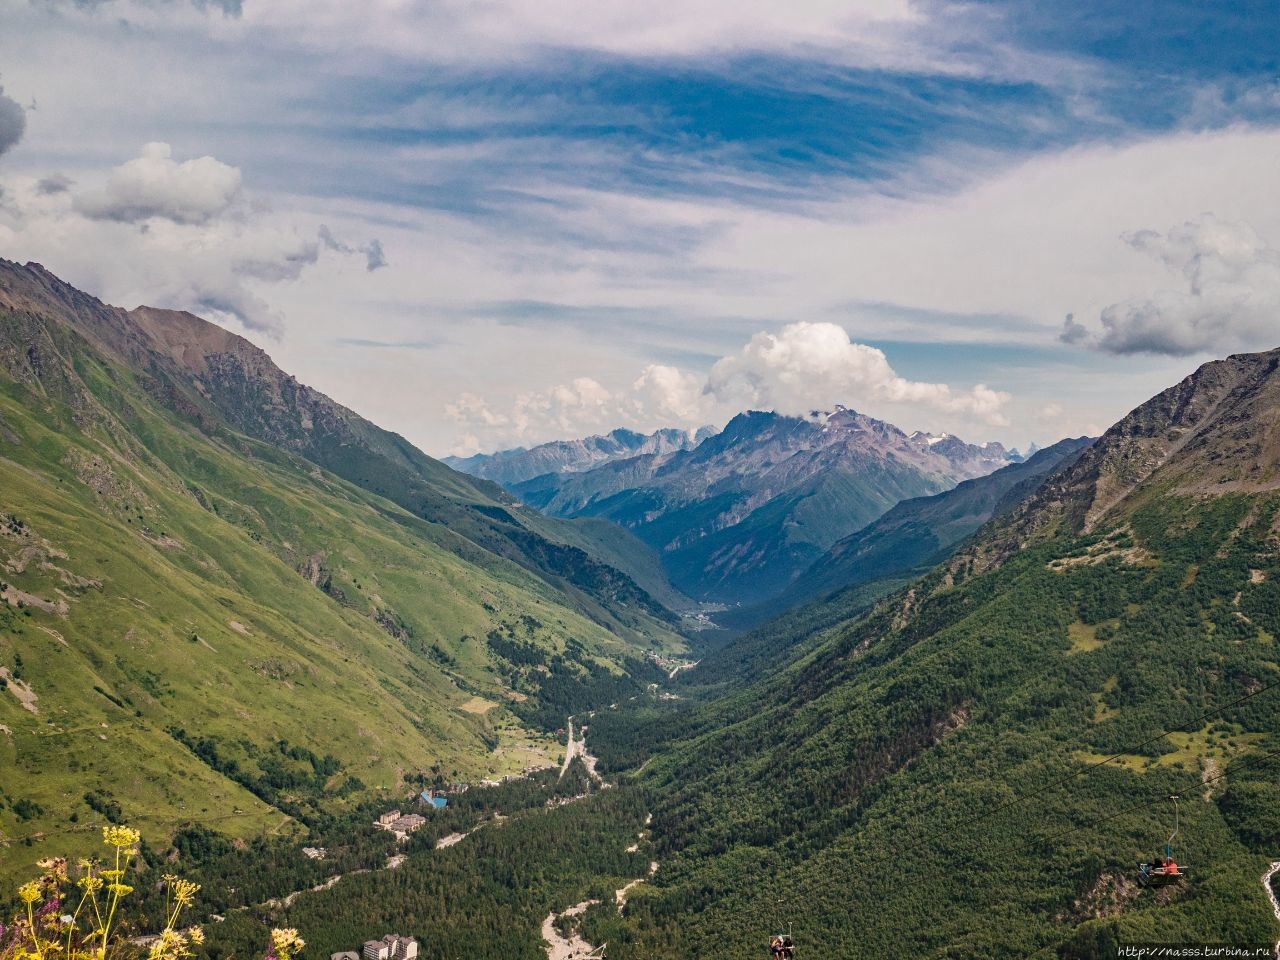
x=433, y=801
x=400, y=824
x=391, y=947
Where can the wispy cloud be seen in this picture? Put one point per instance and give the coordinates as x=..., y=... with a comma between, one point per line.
x=427, y=343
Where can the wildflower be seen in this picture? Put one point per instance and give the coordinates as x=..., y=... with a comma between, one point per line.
x=196, y=935
x=54, y=867
x=89, y=883
x=184, y=892
x=29, y=892
x=168, y=946
x=286, y=942
x=120, y=836
x=120, y=889
x=113, y=874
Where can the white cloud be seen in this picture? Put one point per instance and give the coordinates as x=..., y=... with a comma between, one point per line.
x=155, y=185
x=672, y=394
x=803, y=367
x=502, y=29
x=568, y=409
x=166, y=233
x=808, y=366
x=1231, y=298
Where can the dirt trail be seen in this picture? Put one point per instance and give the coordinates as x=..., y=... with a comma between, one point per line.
x=573, y=947
x=568, y=752
x=1271, y=894
x=620, y=895
x=578, y=748
x=26, y=696
x=681, y=666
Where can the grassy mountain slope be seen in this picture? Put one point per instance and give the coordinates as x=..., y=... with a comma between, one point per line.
x=219, y=382
x=199, y=627
x=925, y=781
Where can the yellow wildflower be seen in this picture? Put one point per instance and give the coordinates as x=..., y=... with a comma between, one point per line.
x=169, y=944
x=89, y=883
x=120, y=889
x=196, y=934
x=120, y=836
x=184, y=892
x=113, y=874
x=286, y=942
x=29, y=892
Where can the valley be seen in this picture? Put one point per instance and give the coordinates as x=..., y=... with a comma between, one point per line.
x=959, y=741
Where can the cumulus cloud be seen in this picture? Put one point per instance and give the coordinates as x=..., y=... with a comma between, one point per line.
x=156, y=185
x=1229, y=298
x=808, y=366
x=168, y=233
x=801, y=368
x=671, y=393
x=13, y=121
x=582, y=405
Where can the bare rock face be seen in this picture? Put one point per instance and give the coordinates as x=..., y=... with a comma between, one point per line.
x=1216, y=432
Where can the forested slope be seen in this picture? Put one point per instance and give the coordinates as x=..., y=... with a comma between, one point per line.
x=974, y=769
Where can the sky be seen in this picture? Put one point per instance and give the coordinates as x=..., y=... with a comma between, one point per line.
x=494, y=223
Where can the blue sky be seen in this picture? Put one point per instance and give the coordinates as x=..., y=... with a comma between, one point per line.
x=549, y=219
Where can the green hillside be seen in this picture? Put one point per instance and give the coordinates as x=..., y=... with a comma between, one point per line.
x=974, y=769
x=199, y=627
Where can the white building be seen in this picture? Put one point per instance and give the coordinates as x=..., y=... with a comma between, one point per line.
x=391, y=947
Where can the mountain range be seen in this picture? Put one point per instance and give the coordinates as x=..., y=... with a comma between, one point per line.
x=738, y=517
x=915, y=534
x=509, y=467
x=239, y=616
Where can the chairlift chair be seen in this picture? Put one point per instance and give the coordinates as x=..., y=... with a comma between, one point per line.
x=1164, y=871
x=786, y=943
